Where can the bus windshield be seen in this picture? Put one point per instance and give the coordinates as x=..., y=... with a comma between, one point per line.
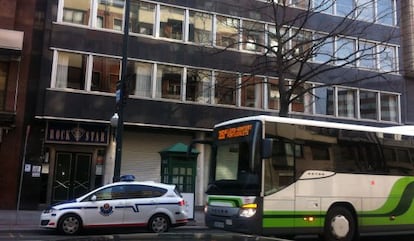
x=237, y=167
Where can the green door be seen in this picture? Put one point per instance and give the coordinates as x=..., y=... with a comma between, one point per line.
x=182, y=174
x=72, y=175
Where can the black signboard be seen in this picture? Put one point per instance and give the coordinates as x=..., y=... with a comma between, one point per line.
x=77, y=133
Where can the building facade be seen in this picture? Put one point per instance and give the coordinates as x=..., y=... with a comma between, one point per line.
x=189, y=67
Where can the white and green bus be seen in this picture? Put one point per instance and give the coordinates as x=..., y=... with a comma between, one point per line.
x=283, y=176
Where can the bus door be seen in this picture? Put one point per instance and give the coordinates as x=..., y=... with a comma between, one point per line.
x=279, y=189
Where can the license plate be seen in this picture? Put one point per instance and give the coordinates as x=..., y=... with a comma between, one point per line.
x=229, y=222
x=219, y=224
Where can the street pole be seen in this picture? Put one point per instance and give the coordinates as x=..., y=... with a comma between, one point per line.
x=120, y=96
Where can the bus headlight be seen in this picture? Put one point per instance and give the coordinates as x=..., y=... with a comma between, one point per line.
x=248, y=210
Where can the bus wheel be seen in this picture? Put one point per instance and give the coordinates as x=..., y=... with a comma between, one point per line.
x=340, y=225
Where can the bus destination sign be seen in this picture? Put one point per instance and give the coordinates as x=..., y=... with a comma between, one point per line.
x=234, y=132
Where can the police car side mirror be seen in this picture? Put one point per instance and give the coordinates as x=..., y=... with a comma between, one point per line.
x=93, y=198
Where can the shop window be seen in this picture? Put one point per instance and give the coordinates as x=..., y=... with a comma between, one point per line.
x=142, y=17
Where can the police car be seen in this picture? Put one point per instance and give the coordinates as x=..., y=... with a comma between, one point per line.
x=155, y=206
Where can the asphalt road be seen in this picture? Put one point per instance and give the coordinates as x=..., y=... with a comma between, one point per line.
x=173, y=235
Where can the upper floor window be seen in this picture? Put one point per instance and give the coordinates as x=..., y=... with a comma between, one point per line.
x=324, y=100
x=387, y=55
x=347, y=102
x=367, y=55
x=76, y=11
x=345, y=51
x=110, y=14
x=368, y=101
x=71, y=70
x=200, y=28
x=142, y=17
x=385, y=12
x=345, y=8
x=227, y=32
x=4, y=72
x=105, y=74
x=198, y=86
x=225, y=89
x=389, y=107
x=171, y=22
x=141, y=83
x=169, y=82
x=365, y=10
x=273, y=96
x=253, y=36
x=251, y=91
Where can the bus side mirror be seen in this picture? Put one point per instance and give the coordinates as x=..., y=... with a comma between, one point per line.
x=267, y=146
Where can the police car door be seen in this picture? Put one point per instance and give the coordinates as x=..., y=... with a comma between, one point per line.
x=140, y=205
x=105, y=207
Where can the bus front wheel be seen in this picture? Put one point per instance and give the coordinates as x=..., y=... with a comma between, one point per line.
x=340, y=225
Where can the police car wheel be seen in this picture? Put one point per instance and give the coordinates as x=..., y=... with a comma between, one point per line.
x=70, y=224
x=159, y=223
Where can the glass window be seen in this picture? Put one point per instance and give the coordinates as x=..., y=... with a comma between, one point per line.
x=301, y=3
x=142, y=17
x=389, y=107
x=324, y=100
x=302, y=99
x=324, y=6
x=272, y=41
x=273, y=94
x=345, y=8
x=345, y=51
x=252, y=92
x=169, y=82
x=253, y=36
x=76, y=11
x=302, y=42
x=368, y=105
x=365, y=10
x=385, y=12
x=227, y=33
x=171, y=22
x=198, y=87
x=4, y=72
x=347, y=102
x=111, y=13
x=225, y=88
x=325, y=48
x=105, y=74
x=141, y=83
x=367, y=55
x=200, y=29
x=71, y=69
x=387, y=58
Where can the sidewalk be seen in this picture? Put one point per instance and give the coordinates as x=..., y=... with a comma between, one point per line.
x=27, y=220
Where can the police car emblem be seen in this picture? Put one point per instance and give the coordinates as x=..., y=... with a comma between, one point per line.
x=106, y=210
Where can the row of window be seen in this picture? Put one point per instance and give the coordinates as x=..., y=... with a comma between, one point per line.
x=203, y=28
x=378, y=11
x=163, y=81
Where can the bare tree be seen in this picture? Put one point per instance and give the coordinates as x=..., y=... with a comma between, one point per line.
x=300, y=46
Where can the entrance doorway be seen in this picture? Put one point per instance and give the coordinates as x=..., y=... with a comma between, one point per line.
x=72, y=175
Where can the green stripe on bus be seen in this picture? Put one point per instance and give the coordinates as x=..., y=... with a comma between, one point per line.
x=233, y=201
